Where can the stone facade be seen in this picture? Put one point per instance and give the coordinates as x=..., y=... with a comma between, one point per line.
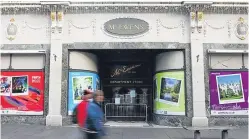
x=172, y=30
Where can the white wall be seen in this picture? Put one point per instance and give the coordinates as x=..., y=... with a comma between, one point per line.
x=221, y=35
x=26, y=35
x=41, y=35
x=86, y=35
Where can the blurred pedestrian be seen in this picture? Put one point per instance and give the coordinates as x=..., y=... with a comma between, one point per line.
x=95, y=117
x=82, y=108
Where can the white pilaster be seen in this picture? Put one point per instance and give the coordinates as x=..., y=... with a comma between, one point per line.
x=198, y=86
x=54, y=117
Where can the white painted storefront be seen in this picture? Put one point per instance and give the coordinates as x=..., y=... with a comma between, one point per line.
x=218, y=26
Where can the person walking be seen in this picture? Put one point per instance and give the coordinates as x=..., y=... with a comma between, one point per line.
x=82, y=108
x=95, y=117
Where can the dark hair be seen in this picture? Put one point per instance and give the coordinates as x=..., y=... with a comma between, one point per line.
x=97, y=93
x=86, y=92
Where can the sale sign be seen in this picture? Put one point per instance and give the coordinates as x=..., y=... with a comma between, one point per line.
x=22, y=93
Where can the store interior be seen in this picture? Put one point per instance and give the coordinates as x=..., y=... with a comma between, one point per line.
x=126, y=77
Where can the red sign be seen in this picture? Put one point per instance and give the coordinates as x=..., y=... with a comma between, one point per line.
x=22, y=93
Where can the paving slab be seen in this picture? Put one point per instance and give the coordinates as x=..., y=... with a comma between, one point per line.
x=66, y=132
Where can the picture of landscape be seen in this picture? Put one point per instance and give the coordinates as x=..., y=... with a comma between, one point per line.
x=230, y=88
x=170, y=90
x=80, y=84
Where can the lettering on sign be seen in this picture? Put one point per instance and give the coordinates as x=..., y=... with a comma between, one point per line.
x=126, y=27
x=36, y=79
x=124, y=69
x=127, y=82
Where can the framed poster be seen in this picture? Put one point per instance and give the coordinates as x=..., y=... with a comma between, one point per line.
x=170, y=90
x=228, y=92
x=81, y=83
x=22, y=93
x=78, y=82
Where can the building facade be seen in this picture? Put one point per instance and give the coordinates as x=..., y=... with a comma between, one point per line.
x=196, y=56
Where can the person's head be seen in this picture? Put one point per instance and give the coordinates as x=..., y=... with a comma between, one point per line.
x=87, y=95
x=98, y=96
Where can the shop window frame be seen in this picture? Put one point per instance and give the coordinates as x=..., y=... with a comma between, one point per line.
x=240, y=52
x=43, y=56
x=70, y=69
x=212, y=55
x=185, y=83
x=210, y=70
x=10, y=68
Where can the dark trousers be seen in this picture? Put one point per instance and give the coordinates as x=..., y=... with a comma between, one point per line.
x=91, y=136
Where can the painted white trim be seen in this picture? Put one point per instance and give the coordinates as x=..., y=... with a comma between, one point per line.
x=197, y=2
x=226, y=51
x=148, y=5
x=23, y=51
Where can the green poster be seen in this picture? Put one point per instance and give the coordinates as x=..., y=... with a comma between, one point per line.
x=169, y=93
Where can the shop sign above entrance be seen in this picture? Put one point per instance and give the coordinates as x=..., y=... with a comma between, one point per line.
x=126, y=27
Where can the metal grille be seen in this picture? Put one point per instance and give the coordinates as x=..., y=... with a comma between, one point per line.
x=126, y=111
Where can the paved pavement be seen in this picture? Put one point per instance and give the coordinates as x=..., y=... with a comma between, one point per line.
x=68, y=132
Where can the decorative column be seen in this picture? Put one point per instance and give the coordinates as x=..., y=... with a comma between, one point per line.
x=197, y=60
x=54, y=117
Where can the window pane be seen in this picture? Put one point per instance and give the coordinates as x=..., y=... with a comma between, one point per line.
x=27, y=61
x=170, y=60
x=226, y=61
x=246, y=60
x=5, y=61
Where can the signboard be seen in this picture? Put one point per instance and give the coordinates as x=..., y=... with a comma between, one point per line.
x=22, y=93
x=121, y=82
x=129, y=70
x=126, y=74
x=228, y=92
x=169, y=89
x=78, y=82
x=125, y=27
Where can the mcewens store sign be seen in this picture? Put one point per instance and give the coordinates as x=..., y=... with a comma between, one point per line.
x=126, y=27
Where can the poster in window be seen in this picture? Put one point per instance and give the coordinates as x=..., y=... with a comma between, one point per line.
x=78, y=82
x=170, y=92
x=22, y=93
x=228, y=92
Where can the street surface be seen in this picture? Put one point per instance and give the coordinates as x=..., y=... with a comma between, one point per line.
x=69, y=132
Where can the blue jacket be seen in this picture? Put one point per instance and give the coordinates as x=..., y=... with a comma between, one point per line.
x=95, y=117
